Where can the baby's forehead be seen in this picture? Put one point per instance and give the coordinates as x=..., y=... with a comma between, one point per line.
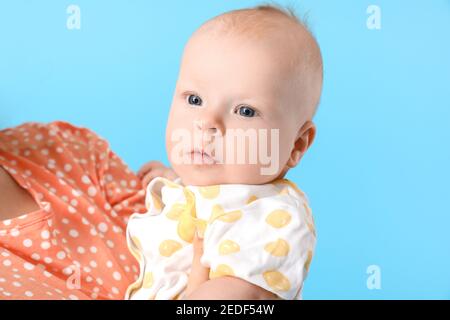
x=285, y=35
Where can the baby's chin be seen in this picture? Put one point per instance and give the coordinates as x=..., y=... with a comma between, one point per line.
x=208, y=175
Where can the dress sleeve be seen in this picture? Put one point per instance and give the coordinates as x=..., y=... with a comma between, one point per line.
x=119, y=186
x=269, y=243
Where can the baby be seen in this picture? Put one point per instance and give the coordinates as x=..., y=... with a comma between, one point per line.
x=255, y=75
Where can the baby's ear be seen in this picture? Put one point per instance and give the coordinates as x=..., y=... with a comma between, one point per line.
x=305, y=138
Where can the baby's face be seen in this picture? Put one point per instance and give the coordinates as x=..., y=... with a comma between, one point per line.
x=232, y=90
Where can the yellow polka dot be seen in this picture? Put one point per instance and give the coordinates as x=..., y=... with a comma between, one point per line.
x=278, y=218
x=170, y=184
x=279, y=248
x=289, y=183
x=175, y=211
x=276, y=280
x=311, y=227
x=308, y=260
x=220, y=214
x=228, y=247
x=148, y=280
x=307, y=209
x=186, y=228
x=135, y=247
x=169, y=247
x=209, y=192
x=251, y=199
x=221, y=271
x=157, y=203
x=136, y=242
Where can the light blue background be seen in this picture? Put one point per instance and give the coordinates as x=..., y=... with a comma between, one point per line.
x=378, y=174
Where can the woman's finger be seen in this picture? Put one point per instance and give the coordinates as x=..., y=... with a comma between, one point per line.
x=150, y=176
x=148, y=167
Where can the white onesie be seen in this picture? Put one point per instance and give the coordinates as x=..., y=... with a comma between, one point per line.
x=263, y=234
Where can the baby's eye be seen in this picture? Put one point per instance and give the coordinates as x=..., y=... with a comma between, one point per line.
x=246, y=111
x=194, y=100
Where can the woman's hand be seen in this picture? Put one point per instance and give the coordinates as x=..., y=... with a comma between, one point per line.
x=199, y=274
x=154, y=169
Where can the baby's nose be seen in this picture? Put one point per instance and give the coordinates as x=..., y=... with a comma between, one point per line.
x=207, y=126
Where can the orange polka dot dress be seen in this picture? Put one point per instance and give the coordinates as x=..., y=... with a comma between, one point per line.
x=74, y=245
x=263, y=234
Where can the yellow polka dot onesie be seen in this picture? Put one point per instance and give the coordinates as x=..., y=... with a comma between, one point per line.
x=263, y=234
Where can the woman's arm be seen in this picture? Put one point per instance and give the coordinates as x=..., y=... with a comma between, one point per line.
x=230, y=288
x=200, y=287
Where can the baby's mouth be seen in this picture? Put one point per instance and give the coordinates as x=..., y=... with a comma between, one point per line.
x=199, y=156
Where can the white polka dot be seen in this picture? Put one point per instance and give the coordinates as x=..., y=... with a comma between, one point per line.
x=17, y=284
x=48, y=260
x=67, y=271
x=72, y=209
x=110, y=244
x=85, y=179
x=73, y=297
x=93, y=249
x=87, y=269
x=76, y=193
x=28, y=293
x=117, y=276
x=122, y=257
x=7, y=263
x=81, y=250
x=27, y=243
x=115, y=290
x=35, y=256
x=67, y=167
x=65, y=221
x=93, y=264
x=45, y=234
x=74, y=202
x=61, y=255
x=15, y=232
x=99, y=281
x=38, y=137
x=102, y=227
x=45, y=245
x=47, y=274
x=116, y=229
x=109, y=264
x=91, y=210
x=28, y=266
x=7, y=222
x=44, y=152
x=73, y=233
x=92, y=191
